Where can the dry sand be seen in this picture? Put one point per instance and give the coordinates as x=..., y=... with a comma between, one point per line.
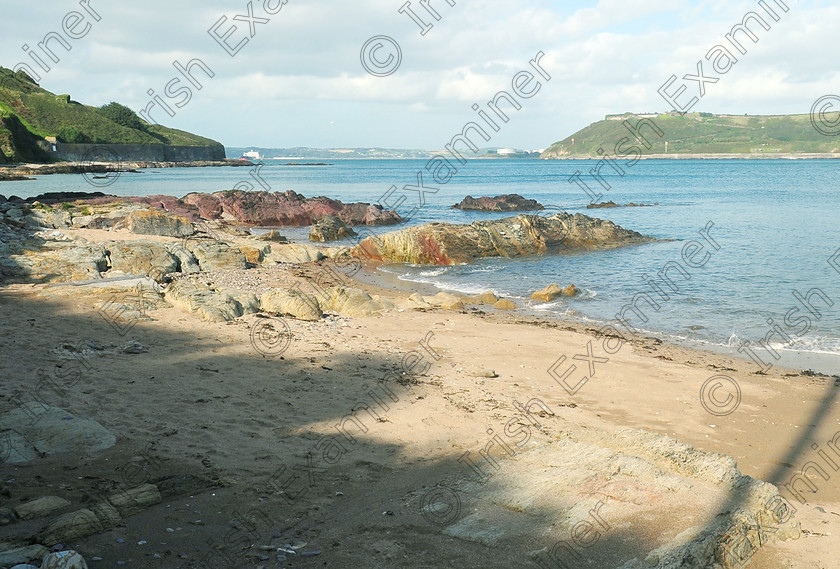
x=204, y=401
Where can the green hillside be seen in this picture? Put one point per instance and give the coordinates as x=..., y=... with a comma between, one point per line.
x=29, y=114
x=701, y=133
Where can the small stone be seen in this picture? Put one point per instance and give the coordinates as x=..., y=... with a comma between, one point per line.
x=488, y=373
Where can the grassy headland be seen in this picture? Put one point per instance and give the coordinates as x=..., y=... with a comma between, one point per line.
x=30, y=114
x=700, y=134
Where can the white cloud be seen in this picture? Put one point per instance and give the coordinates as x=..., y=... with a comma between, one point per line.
x=303, y=68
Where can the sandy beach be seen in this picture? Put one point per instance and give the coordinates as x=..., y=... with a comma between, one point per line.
x=258, y=426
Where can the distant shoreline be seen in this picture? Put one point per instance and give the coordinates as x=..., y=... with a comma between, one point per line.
x=750, y=156
x=17, y=172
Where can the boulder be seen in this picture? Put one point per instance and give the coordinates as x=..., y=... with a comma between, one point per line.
x=253, y=255
x=48, y=218
x=33, y=430
x=156, y=223
x=445, y=300
x=353, y=302
x=210, y=303
x=570, y=290
x=70, y=527
x=507, y=202
x=68, y=559
x=486, y=297
x=504, y=304
x=273, y=236
x=54, y=262
x=449, y=244
x=143, y=258
x=293, y=302
x=420, y=301
x=548, y=293
x=293, y=253
x=135, y=500
x=41, y=507
x=213, y=255
x=21, y=555
x=330, y=228
x=187, y=263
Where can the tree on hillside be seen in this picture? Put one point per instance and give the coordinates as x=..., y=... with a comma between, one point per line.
x=121, y=115
x=72, y=135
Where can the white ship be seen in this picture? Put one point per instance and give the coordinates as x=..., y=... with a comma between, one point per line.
x=252, y=155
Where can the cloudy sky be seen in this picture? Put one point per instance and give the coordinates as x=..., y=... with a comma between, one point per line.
x=299, y=81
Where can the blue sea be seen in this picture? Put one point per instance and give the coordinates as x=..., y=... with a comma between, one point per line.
x=776, y=223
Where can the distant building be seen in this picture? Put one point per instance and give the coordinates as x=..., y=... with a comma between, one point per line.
x=506, y=151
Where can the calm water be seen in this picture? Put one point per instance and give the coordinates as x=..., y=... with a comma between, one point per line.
x=776, y=223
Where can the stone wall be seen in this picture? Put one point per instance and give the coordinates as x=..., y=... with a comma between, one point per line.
x=135, y=152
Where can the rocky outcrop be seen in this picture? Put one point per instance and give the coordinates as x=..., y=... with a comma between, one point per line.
x=352, y=302
x=211, y=303
x=157, y=223
x=504, y=304
x=506, y=202
x=266, y=209
x=293, y=253
x=448, y=244
x=273, y=236
x=52, y=261
x=143, y=258
x=552, y=291
x=55, y=431
x=612, y=204
x=215, y=255
x=330, y=228
x=300, y=305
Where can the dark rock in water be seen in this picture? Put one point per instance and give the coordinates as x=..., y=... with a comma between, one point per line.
x=330, y=228
x=612, y=204
x=448, y=244
x=507, y=202
x=3, y=199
